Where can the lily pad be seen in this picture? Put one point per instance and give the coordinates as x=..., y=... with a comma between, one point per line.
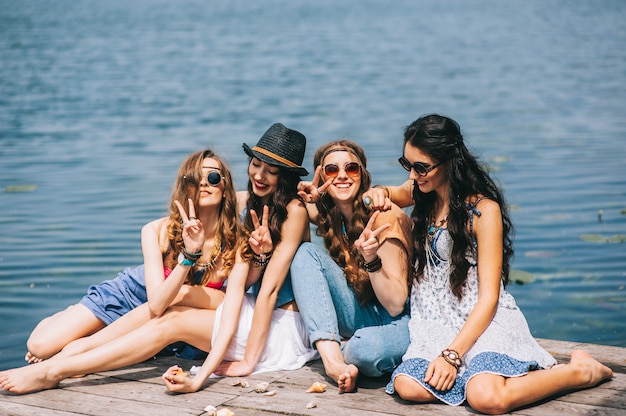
x=623, y=212
x=521, y=277
x=597, y=238
x=500, y=159
x=20, y=188
x=542, y=254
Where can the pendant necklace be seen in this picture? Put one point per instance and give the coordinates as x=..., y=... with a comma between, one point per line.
x=344, y=233
x=432, y=229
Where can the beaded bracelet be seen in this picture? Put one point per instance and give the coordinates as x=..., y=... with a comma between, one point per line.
x=452, y=357
x=261, y=260
x=374, y=265
x=191, y=256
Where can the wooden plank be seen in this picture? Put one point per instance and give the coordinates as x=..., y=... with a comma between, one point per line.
x=138, y=390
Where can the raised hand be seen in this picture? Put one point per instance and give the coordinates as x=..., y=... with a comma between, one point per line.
x=310, y=192
x=260, y=239
x=376, y=199
x=193, y=230
x=367, y=243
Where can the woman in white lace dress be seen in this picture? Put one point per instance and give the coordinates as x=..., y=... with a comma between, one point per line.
x=469, y=340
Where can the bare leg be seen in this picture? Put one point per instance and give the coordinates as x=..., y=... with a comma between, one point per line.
x=53, y=333
x=493, y=394
x=123, y=325
x=191, y=296
x=336, y=368
x=409, y=389
x=194, y=326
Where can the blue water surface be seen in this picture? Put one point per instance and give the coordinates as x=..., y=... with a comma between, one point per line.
x=101, y=101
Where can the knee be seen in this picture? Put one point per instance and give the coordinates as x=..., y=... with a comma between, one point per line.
x=39, y=347
x=305, y=252
x=487, y=399
x=409, y=389
x=302, y=260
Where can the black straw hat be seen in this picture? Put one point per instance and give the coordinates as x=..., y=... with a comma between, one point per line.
x=282, y=147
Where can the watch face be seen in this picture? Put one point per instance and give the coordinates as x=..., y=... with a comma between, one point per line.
x=185, y=261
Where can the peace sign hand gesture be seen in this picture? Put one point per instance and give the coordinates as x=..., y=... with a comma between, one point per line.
x=367, y=243
x=193, y=230
x=260, y=239
x=310, y=192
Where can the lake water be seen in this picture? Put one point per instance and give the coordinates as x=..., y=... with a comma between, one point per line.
x=101, y=101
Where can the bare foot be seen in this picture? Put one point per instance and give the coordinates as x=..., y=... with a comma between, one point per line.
x=28, y=379
x=347, y=380
x=31, y=359
x=592, y=371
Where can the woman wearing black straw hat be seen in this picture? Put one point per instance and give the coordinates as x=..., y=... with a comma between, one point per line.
x=274, y=173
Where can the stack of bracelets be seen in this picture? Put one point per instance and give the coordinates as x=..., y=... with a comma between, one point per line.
x=185, y=258
x=452, y=357
x=261, y=260
x=374, y=265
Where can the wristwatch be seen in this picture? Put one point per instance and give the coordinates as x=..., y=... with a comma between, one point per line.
x=184, y=261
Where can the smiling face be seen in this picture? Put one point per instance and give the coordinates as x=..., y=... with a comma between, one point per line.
x=435, y=180
x=263, y=177
x=345, y=185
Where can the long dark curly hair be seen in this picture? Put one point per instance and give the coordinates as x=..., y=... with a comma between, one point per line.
x=330, y=223
x=286, y=191
x=440, y=137
x=187, y=185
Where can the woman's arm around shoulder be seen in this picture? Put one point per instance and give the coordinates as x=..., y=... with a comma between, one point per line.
x=391, y=283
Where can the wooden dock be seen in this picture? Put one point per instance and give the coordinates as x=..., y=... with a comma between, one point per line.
x=138, y=390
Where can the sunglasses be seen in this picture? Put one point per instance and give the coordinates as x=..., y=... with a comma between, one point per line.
x=352, y=169
x=418, y=167
x=214, y=178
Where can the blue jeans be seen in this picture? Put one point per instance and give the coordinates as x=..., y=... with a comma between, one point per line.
x=331, y=311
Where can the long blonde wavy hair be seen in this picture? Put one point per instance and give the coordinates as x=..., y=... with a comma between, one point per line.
x=187, y=185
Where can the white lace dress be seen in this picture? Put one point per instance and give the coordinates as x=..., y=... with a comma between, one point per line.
x=506, y=347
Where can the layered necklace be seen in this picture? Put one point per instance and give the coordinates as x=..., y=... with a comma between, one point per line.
x=434, y=227
x=215, y=254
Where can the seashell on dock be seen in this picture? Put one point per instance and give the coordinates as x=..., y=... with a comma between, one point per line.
x=261, y=387
x=317, y=387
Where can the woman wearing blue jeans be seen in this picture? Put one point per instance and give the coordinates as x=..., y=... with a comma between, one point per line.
x=357, y=290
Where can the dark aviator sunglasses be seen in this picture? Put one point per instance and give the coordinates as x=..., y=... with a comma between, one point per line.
x=418, y=167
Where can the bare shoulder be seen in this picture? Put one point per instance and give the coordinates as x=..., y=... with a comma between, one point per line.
x=156, y=225
x=487, y=206
x=242, y=199
x=490, y=213
x=296, y=207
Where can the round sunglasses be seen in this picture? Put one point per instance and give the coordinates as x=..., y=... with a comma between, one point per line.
x=353, y=169
x=214, y=178
x=418, y=167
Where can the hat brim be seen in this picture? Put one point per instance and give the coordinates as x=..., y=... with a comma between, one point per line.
x=301, y=171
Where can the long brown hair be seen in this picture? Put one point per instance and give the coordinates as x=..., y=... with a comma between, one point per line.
x=440, y=137
x=331, y=222
x=187, y=185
